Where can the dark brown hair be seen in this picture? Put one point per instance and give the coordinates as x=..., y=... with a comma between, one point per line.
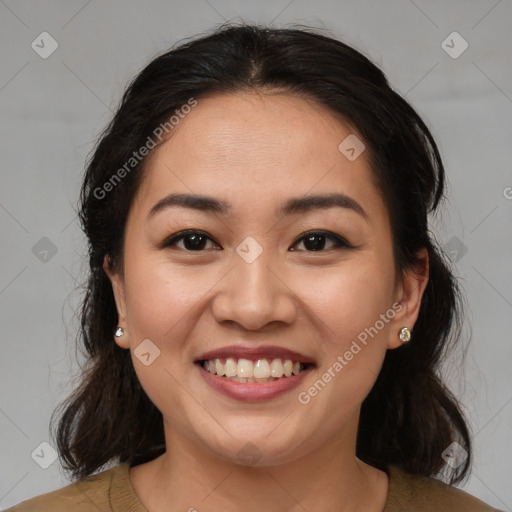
x=409, y=417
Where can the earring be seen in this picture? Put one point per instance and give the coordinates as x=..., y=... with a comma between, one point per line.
x=405, y=334
x=119, y=332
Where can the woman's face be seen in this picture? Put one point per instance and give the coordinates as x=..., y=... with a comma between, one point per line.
x=262, y=267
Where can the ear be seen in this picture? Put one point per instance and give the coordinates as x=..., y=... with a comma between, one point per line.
x=409, y=294
x=118, y=288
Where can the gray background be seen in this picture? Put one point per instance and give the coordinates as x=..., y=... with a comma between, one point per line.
x=52, y=109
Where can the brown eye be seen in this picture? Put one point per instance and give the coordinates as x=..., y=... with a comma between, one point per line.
x=317, y=240
x=192, y=241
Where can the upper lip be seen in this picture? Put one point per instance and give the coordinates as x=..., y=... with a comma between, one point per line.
x=254, y=353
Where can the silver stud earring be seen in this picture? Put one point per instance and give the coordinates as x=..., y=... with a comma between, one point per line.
x=119, y=332
x=405, y=334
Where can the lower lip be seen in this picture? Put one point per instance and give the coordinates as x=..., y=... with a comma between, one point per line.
x=253, y=391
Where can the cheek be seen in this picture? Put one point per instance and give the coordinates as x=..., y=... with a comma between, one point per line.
x=162, y=301
x=353, y=340
x=160, y=296
x=347, y=299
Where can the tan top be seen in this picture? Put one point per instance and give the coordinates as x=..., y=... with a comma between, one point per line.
x=112, y=491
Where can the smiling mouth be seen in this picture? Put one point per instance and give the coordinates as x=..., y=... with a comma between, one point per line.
x=258, y=370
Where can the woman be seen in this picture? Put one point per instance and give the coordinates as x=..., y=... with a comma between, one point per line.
x=256, y=214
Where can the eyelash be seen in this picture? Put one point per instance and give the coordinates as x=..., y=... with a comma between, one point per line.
x=339, y=242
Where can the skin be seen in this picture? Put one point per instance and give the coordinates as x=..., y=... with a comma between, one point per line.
x=256, y=151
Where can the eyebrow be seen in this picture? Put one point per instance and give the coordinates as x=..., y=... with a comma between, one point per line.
x=292, y=206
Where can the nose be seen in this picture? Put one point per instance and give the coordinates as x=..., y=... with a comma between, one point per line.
x=254, y=295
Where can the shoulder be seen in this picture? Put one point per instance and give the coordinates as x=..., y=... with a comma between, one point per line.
x=88, y=495
x=424, y=494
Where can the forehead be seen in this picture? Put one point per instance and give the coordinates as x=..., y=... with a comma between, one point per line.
x=259, y=149
x=258, y=130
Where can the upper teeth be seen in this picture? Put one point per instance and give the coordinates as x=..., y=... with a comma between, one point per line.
x=260, y=369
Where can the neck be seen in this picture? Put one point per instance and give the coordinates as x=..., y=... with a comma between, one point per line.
x=330, y=478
